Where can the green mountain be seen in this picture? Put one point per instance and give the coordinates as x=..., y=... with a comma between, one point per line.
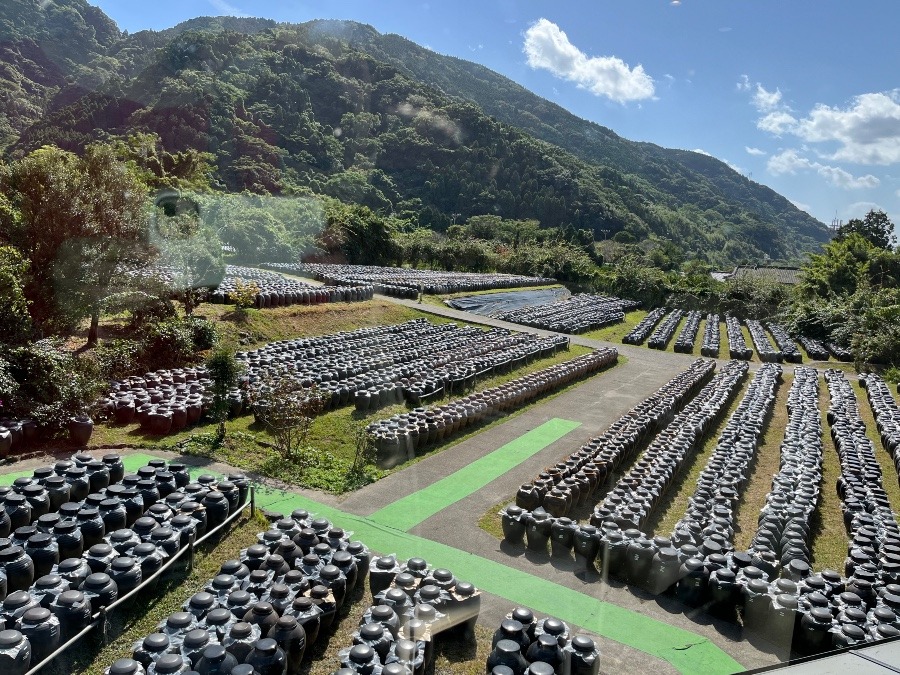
x=336, y=108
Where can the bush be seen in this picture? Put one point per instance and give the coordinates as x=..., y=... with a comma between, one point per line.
x=169, y=343
x=119, y=358
x=244, y=294
x=204, y=333
x=54, y=384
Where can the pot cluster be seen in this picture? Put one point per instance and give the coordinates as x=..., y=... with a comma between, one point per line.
x=636, y=495
x=709, y=521
x=525, y=644
x=398, y=438
x=264, y=609
x=16, y=435
x=663, y=333
x=77, y=535
x=414, y=606
x=575, y=314
x=737, y=345
x=639, y=333
x=430, y=281
x=558, y=489
x=162, y=401
x=784, y=522
x=376, y=367
x=785, y=343
x=767, y=353
x=887, y=413
x=839, y=352
x=684, y=344
x=278, y=291
x=815, y=349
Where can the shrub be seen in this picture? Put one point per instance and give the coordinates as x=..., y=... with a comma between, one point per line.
x=244, y=294
x=203, y=333
x=54, y=384
x=119, y=358
x=169, y=343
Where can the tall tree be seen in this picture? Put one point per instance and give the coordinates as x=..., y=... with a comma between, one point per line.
x=876, y=227
x=78, y=221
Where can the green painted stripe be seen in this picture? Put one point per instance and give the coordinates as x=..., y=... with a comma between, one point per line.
x=686, y=651
x=406, y=513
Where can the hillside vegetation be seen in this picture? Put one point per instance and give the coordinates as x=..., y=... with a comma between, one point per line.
x=336, y=109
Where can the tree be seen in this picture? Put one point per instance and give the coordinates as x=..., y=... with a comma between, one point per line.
x=78, y=221
x=876, y=227
x=224, y=371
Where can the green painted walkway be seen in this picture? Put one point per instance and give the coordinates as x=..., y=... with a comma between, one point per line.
x=406, y=513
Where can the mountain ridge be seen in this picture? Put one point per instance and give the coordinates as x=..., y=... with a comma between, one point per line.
x=337, y=108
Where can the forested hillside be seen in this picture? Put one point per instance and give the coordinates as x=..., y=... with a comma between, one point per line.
x=337, y=109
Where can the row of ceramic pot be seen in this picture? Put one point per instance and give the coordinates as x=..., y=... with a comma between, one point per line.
x=711, y=341
x=767, y=353
x=785, y=343
x=284, y=292
x=887, y=413
x=430, y=281
x=398, y=438
x=711, y=509
x=815, y=349
x=264, y=609
x=644, y=327
x=389, y=289
x=737, y=344
x=525, y=644
x=369, y=367
x=638, y=492
x=662, y=334
x=575, y=314
x=875, y=536
x=785, y=520
x=16, y=435
x=789, y=605
x=587, y=469
x=414, y=606
x=684, y=343
x=839, y=352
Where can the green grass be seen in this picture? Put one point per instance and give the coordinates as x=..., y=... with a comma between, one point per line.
x=616, y=332
x=491, y=522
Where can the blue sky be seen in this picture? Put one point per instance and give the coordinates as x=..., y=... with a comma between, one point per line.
x=801, y=96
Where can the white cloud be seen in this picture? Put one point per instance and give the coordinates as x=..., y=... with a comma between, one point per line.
x=867, y=131
x=701, y=151
x=548, y=47
x=756, y=152
x=227, y=8
x=766, y=100
x=790, y=161
x=777, y=123
x=801, y=205
x=743, y=84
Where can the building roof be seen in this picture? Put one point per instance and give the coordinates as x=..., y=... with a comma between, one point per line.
x=781, y=275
